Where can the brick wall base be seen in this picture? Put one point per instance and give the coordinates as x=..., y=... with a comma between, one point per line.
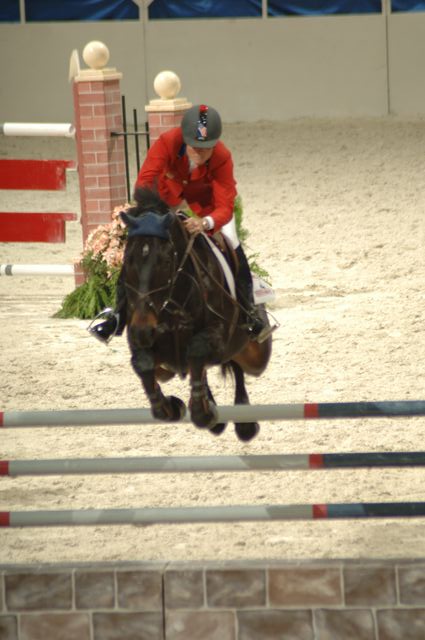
x=334, y=600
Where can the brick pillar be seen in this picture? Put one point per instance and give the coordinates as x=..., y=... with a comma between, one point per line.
x=101, y=160
x=167, y=111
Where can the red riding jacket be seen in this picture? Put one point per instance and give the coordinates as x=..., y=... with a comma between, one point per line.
x=209, y=190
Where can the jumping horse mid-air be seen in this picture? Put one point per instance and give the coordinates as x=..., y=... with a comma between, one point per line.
x=181, y=318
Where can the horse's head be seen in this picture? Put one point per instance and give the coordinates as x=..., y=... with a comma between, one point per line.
x=150, y=262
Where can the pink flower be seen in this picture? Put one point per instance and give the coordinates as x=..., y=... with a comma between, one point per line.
x=107, y=242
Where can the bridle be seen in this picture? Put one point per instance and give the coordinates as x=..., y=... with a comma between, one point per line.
x=174, y=310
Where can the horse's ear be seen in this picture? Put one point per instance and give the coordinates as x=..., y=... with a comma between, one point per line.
x=129, y=220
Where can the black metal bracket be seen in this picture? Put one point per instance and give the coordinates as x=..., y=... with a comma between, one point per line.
x=135, y=134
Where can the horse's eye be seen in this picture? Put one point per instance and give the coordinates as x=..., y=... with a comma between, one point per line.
x=145, y=250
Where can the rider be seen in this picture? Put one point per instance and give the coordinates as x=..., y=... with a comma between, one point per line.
x=190, y=166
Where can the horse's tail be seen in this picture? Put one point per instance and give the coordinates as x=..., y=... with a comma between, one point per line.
x=227, y=368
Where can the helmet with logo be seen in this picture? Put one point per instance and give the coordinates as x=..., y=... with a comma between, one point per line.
x=201, y=126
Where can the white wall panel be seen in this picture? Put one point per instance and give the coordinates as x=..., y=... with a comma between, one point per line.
x=252, y=69
x=406, y=55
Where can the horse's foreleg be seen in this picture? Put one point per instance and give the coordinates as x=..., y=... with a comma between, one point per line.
x=167, y=408
x=245, y=431
x=203, y=412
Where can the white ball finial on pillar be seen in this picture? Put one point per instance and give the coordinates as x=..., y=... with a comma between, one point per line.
x=167, y=85
x=166, y=111
x=96, y=54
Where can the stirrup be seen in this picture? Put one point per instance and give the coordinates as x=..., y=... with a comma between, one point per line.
x=104, y=315
x=264, y=333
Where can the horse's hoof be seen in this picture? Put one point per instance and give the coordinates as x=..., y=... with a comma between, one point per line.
x=205, y=419
x=178, y=407
x=219, y=428
x=246, y=431
x=171, y=410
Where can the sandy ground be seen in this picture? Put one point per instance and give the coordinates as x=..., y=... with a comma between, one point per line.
x=335, y=210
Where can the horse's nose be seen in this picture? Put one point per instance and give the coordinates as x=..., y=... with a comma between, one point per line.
x=146, y=336
x=142, y=328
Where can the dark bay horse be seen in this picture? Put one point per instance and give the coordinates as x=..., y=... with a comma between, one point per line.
x=181, y=319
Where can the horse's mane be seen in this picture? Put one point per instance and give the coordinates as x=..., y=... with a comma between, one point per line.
x=149, y=200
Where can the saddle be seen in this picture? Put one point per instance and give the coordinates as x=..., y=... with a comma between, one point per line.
x=223, y=244
x=226, y=257
x=224, y=253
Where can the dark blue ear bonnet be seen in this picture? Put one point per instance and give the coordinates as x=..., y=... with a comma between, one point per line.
x=148, y=224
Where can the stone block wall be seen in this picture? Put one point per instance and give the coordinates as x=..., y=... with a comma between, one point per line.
x=351, y=600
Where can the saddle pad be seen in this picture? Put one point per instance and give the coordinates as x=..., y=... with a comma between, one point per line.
x=262, y=291
x=228, y=275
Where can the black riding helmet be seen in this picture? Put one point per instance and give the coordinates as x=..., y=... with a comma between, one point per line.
x=201, y=126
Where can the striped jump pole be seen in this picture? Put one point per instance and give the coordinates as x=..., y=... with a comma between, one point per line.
x=191, y=515
x=200, y=464
x=58, y=129
x=229, y=413
x=36, y=270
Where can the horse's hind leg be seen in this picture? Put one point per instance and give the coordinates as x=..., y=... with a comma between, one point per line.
x=202, y=411
x=245, y=431
x=220, y=426
x=167, y=408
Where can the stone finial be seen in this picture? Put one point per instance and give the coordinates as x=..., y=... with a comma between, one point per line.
x=167, y=85
x=96, y=54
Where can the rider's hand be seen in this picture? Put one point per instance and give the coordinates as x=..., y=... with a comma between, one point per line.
x=194, y=225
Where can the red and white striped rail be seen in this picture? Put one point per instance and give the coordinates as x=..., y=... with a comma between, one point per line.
x=230, y=413
x=200, y=464
x=233, y=513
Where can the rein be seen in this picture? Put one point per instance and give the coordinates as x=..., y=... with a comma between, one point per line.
x=198, y=267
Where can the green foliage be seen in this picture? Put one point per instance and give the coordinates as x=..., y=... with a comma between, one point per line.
x=238, y=213
x=257, y=269
x=96, y=293
x=101, y=261
x=243, y=236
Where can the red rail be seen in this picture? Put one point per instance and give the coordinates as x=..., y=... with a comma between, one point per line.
x=34, y=227
x=46, y=175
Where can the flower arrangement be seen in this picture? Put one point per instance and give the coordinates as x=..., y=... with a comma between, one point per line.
x=107, y=242
x=101, y=261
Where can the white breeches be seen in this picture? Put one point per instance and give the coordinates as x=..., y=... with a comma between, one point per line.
x=229, y=230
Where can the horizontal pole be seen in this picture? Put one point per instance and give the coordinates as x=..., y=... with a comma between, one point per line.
x=36, y=270
x=116, y=134
x=234, y=513
x=230, y=413
x=62, y=130
x=195, y=464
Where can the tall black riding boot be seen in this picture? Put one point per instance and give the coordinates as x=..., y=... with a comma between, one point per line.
x=245, y=294
x=113, y=321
